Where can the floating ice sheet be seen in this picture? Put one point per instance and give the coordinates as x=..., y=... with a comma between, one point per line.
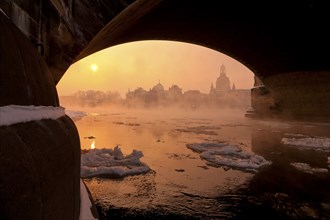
x=200, y=147
x=228, y=156
x=304, y=167
x=112, y=162
x=304, y=142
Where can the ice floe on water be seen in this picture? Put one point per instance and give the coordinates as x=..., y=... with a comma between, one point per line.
x=203, y=129
x=112, y=163
x=228, y=156
x=200, y=147
x=306, y=168
x=305, y=142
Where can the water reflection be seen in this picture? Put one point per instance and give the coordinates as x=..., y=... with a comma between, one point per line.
x=182, y=184
x=93, y=145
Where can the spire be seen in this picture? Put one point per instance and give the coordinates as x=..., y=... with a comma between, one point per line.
x=234, y=87
x=212, y=88
x=222, y=70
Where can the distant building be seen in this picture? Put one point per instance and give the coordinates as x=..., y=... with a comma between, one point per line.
x=174, y=94
x=157, y=95
x=222, y=83
x=223, y=96
x=136, y=98
x=194, y=99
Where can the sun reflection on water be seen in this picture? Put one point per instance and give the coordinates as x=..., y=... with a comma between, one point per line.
x=93, y=145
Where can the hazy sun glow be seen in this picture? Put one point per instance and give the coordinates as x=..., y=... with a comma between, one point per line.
x=145, y=63
x=94, y=67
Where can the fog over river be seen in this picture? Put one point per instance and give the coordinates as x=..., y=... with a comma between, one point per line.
x=203, y=164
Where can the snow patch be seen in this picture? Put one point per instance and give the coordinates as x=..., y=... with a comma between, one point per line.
x=228, y=156
x=85, y=204
x=13, y=114
x=112, y=162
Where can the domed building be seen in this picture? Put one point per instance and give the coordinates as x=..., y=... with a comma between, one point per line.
x=156, y=94
x=159, y=88
x=222, y=83
x=223, y=95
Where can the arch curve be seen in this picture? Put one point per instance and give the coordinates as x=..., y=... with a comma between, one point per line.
x=246, y=32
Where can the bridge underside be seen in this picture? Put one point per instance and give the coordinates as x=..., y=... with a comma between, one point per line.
x=283, y=43
x=274, y=38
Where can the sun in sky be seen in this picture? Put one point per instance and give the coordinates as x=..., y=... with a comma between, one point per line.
x=144, y=63
x=94, y=67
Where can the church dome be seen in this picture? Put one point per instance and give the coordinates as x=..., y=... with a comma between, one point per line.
x=159, y=88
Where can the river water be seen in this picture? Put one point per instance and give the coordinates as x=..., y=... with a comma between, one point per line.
x=183, y=183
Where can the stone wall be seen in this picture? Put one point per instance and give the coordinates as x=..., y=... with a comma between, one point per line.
x=263, y=103
x=302, y=95
x=39, y=160
x=39, y=170
x=60, y=29
x=294, y=95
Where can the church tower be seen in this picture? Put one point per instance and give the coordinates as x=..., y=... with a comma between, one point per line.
x=222, y=83
x=222, y=70
x=212, y=89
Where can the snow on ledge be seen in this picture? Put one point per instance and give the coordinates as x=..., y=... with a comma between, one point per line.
x=14, y=114
x=85, y=204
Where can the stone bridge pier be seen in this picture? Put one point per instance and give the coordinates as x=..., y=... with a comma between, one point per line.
x=285, y=43
x=301, y=95
x=39, y=160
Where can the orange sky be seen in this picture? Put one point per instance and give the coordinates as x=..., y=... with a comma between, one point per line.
x=144, y=63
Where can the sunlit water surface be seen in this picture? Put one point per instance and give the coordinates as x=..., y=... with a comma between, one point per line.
x=181, y=185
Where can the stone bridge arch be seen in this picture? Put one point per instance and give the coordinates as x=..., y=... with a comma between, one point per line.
x=284, y=43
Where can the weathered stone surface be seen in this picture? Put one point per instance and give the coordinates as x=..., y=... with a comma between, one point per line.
x=302, y=95
x=39, y=160
x=24, y=76
x=250, y=32
x=67, y=30
x=60, y=29
x=39, y=178
x=263, y=102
